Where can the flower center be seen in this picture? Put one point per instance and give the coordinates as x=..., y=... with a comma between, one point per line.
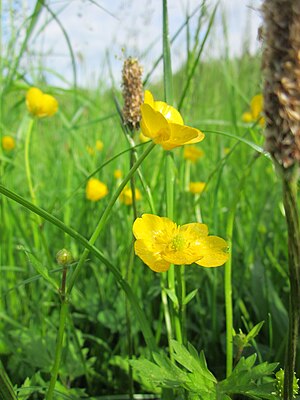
x=178, y=242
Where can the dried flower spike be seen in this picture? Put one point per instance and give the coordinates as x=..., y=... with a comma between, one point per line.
x=132, y=93
x=281, y=64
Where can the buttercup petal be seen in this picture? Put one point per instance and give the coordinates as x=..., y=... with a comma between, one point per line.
x=49, y=105
x=153, y=260
x=154, y=124
x=182, y=134
x=215, y=252
x=148, y=98
x=149, y=226
x=195, y=230
x=169, y=112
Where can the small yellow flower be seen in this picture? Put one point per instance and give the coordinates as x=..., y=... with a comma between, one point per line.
x=226, y=150
x=256, y=109
x=192, y=153
x=118, y=174
x=164, y=125
x=95, y=189
x=8, y=143
x=126, y=196
x=40, y=104
x=197, y=187
x=90, y=150
x=160, y=243
x=99, y=145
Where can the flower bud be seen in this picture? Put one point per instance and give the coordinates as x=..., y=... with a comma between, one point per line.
x=64, y=257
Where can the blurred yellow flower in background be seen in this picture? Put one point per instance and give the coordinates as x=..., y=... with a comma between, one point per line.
x=40, y=104
x=126, y=196
x=95, y=189
x=192, y=153
x=160, y=242
x=164, y=125
x=99, y=145
x=118, y=174
x=256, y=109
x=8, y=143
x=90, y=150
x=197, y=187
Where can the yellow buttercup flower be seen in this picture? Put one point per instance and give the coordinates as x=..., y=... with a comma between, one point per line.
x=164, y=125
x=95, y=189
x=99, y=145
x=8, y=143
x=126, y=196
x=197, y=187
x=40, y=104
x=160, y=243
x=256, y=109
x=118, y=174
x=192, y=153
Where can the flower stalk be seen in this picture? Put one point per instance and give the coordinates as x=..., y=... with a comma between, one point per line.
x=293, y=226
x=281, y=64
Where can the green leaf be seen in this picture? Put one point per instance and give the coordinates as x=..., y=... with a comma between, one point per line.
x=171, y=293
x=254, y=331
x=41, y=269
x=189, y=297
x=6, y=388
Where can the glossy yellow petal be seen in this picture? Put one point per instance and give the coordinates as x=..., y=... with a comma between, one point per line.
x=215, y=252
x=148, y=98
x=180, y=135
x=256, y=106
x=153, y=260
x=154, y=125
x=195, y=229
x=247, y=117
x=169, y=112
x=153, y=228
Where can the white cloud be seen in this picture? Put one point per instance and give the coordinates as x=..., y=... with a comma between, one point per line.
x=135, y=26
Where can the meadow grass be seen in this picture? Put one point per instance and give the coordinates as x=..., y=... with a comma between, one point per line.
x=242, y=202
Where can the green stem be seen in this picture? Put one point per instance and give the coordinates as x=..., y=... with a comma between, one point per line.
x=58, y=350
x=29, y=177
x=105, y=216
x=293, y=225
x=134, y=301
x=37, y=227
x=168, y=77
x=228, y=271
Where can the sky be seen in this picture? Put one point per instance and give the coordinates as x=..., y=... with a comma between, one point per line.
x=103, y=32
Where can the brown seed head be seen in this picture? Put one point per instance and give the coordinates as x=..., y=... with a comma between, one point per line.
x=132, y=93
x=281, y=65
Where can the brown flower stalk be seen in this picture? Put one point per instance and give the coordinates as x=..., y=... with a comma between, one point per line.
x=281, y=65
x=132, y=93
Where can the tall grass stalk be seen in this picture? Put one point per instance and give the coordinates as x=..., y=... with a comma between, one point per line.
x=170, y=169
